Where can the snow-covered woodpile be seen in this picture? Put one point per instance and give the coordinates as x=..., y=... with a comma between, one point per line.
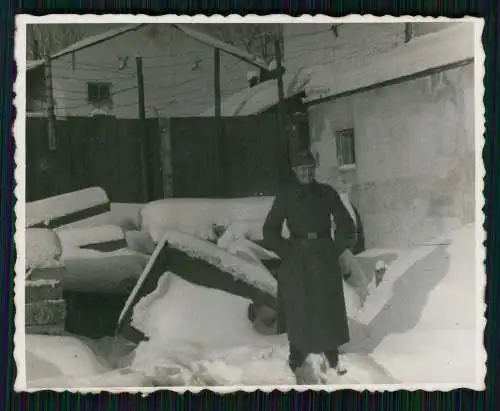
x=100, y=257
x=45, y=308
x=236, y=218
x=66, y=208
x=43, y=249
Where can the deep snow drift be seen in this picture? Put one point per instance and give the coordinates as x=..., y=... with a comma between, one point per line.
x=427, y=332
x=418, y=327
x=418, y=335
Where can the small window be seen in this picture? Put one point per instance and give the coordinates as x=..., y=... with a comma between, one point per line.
x=345, y=148
x=99, y=94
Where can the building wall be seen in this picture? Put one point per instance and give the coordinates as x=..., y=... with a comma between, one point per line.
x=414, y=142
x=414, y=175
x=35, y=87
x=178, y=74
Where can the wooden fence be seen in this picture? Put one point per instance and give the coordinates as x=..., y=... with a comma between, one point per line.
x=143, y=160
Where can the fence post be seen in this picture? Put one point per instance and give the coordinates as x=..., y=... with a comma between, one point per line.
x=51, y=117
x=143, y=143
x=281, y=98
x=166, y=158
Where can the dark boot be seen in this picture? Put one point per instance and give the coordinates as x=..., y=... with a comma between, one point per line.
x=333, y=359
x=296, y=358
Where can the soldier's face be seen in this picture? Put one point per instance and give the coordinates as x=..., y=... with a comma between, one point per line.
x=305, y=173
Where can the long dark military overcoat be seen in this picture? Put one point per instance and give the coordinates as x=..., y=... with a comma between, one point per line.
x=310, y=290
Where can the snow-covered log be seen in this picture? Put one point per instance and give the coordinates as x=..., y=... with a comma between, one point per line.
x=102, y=238
x=140, y=241
x=239, y=218
x=102, y=272
x=200, y=216
x=43, y=249
x=67, y=208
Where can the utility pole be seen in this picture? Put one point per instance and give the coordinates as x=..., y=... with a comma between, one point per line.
x=217, y=93
x=145, y=172
x=218, y=124
x=281, y=99
x=54, y=160
x=140, y=88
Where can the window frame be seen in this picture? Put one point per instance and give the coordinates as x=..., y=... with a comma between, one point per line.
x=340, y=134
x=100, y=101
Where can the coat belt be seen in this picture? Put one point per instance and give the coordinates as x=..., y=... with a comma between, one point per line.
x=312, y=235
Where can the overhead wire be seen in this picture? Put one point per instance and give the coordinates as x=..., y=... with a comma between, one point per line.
x=116, y=76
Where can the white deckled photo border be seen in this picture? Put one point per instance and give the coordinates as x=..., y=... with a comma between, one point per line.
x=20, y=178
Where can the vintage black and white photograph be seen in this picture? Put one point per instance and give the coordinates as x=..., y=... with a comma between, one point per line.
x=242, y=203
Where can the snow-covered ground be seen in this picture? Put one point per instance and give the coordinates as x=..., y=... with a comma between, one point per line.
x=424, y=330
x=427, y=332
x=418, y=327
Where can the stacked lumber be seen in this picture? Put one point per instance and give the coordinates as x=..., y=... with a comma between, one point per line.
x=67, y=208
x=45, y=308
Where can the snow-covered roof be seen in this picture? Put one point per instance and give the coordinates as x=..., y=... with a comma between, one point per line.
x=221, y=45
x=31, y=64
x=255, y=100
x=99, y=38
x=87, y=42
x=420, y=55
x=189, y=31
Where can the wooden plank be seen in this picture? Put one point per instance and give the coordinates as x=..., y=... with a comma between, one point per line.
x=55, y=273
x=50, y=329
x=73, y=217
x=102, y=237
x=41, y=290
x=167, y=257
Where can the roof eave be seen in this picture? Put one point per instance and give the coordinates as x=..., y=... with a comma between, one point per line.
x=72, y=49
x=221, y=45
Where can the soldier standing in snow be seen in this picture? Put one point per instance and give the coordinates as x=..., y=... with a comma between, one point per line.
x=310, y=289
